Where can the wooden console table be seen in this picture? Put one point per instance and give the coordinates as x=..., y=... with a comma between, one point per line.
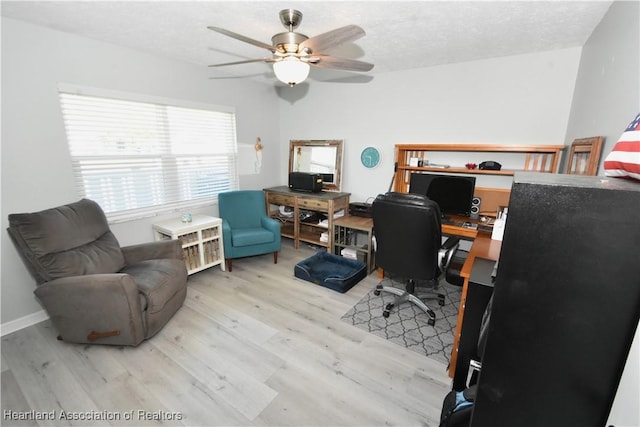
x=300, y=203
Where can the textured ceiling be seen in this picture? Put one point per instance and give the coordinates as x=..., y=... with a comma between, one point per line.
x=400, y=35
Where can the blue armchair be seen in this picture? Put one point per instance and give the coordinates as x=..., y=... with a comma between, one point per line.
x=247, y=230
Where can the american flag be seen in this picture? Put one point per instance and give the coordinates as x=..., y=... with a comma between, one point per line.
x=624, y=159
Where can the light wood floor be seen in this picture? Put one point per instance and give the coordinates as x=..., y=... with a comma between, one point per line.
x=254, y=347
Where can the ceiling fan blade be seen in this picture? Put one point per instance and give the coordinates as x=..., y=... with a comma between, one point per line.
x=326, y=61
x=242, y=38
x=333, y=38
x=246, y=61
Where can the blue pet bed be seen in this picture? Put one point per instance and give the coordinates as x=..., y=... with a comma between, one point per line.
x=331, y=271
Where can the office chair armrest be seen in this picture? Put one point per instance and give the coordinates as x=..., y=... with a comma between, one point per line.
x=446, y=252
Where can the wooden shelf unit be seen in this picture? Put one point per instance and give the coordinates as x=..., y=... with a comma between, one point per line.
x=355, y=233
x=201, y=240
x=324, y=202
x=537, y=158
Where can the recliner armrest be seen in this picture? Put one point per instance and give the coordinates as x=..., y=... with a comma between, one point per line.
x=163, y=249
x=80, y=306
x=446, y=252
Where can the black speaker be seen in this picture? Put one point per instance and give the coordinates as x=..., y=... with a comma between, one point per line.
x=475, y=207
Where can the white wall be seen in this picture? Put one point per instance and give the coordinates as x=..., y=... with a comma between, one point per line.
x=36, y=168
x=607, y=94
x=607, y=98
x=521, y=99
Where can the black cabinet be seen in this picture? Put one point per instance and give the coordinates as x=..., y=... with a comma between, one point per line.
x=479, y=290
x=566, y=302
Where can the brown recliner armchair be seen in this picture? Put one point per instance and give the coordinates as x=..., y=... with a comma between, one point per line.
x=94, y=290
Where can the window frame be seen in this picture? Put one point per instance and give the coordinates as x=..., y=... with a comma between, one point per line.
x=169, y=163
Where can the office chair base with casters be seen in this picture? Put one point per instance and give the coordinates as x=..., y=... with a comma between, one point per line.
x=403, y=296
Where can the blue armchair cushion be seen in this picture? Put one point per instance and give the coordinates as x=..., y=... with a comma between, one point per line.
x=251, y=236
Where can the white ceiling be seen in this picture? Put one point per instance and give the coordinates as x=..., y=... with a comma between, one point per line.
x=400, y=34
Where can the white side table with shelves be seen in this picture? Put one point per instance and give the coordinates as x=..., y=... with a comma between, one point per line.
x=201, y=240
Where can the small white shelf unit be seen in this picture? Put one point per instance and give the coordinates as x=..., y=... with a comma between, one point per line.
x=201, y=240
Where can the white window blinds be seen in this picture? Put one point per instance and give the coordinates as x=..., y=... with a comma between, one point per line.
x=139, y=158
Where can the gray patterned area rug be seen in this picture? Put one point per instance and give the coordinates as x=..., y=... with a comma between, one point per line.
x=407, y=325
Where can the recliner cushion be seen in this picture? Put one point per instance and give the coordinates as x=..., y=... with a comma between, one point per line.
x=158, y=280
x=69, y=240
x=251, y=236
x=100, y=256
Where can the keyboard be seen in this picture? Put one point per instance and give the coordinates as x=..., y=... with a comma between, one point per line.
x=458, y=223
x=448, y=220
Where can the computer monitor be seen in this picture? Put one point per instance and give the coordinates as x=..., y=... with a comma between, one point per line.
x=452, y=193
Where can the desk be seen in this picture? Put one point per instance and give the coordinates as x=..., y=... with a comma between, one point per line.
x=483, y=248
x=454, y=230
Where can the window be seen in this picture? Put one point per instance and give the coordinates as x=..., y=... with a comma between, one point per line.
x=136, y=158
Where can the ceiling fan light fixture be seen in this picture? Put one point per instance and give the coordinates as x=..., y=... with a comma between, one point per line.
x=291, y=70
x=293, y=52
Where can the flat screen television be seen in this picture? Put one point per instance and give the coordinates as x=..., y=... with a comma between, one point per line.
x=452, y=193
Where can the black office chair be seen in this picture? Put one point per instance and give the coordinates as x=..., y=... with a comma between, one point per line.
x=408, y=235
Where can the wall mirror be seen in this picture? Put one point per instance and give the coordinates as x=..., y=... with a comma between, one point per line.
x=318, y=156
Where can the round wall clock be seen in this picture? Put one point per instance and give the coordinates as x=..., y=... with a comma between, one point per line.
x=370, y=157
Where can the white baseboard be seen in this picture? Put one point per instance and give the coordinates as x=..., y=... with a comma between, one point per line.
x=23, y=322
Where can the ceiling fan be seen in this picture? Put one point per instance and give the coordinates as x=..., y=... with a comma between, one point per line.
x=294, y=52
